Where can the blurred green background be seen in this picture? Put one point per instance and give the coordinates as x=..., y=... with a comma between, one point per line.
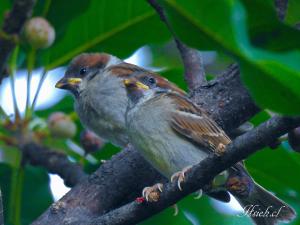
x=227, y=31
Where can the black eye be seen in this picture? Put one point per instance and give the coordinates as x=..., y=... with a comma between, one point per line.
x=151, y=80
x=83, y=71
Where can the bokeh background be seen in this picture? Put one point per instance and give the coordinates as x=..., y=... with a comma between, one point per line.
x=244, y=31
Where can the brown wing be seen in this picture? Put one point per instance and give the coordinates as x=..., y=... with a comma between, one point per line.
x=193, y=123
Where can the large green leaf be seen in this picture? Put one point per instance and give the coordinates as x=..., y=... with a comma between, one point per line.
x=117, y=27
x=195, y=212
x=267, y=74
x=266, y=169
x=265, y=29
x=205, y=214
x=270, y=168
x=293, y=15
x=167, y=217
x=5, y=5
x=36, y=194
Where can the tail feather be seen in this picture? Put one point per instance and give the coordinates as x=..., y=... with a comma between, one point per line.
x=266, y=209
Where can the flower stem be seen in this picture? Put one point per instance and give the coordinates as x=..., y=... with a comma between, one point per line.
x=12, y=71
x=46, y=8
x=15, y=200
x=30, y=65
x=42, y=79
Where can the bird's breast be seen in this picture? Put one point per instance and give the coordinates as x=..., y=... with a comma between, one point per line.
x=151, y=134
x=105, y=119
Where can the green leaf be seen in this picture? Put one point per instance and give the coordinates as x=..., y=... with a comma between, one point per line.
x=267, y=74
x=5, y=5
x=276, y=169
x=167, y=217
x=176, y=76
x=36, y=195
x=204, y=212
x=116, y=27
x=265, y=168
x=270, y=168
x=265, y=29
x=293, y=15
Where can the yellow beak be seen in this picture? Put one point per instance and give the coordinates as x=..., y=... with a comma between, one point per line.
x=134, y=83
x=66, y=83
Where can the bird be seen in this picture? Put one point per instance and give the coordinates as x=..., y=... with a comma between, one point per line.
x=173, y=134
x=96, y=82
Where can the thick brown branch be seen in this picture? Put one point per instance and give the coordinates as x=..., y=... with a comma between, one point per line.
x=12, y=26
x=124, y=176
x=224, y=98
x=192, y=61
x=201, y=174
x=194, y=73
x=54, y=162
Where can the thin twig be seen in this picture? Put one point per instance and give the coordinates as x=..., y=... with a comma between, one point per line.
x=30, y=65
x=55, y=162
x=12, y=26
x=193, y=66
x=41, y=81
x=191, y=58
x=12, y=71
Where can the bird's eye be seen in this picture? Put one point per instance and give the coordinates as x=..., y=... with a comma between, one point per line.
x=83, y=71
x=151, y=80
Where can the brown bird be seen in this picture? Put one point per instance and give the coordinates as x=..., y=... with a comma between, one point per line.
x=96, y=81
x=173, y=134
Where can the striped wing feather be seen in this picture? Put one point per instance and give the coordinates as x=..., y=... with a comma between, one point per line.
x=193, y=123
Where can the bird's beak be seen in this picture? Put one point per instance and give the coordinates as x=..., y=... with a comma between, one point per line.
x=135, y=84
x=68, y=83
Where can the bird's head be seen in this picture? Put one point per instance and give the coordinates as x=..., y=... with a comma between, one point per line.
x=83, y=69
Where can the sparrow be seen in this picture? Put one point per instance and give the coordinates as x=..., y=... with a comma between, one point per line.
x=173, y=134
x=96, y=82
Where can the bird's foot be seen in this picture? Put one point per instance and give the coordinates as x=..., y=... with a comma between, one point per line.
x=198, y=194
x=176, y=210
x=239, y=185
x=180, y=176
x=151, y=194
x=221, y=149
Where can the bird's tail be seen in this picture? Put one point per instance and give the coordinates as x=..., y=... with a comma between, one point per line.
x=259, y=204
x=264, y=208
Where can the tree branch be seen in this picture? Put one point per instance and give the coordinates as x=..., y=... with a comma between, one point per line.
x=192, y=61
x=224, y=98
x=281, y=7
x=194, y=73
x=241, y=148
x=12, y=26
x=54, y=162
x=122, y=178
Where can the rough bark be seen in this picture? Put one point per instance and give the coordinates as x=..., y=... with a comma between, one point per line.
x=241, y=148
